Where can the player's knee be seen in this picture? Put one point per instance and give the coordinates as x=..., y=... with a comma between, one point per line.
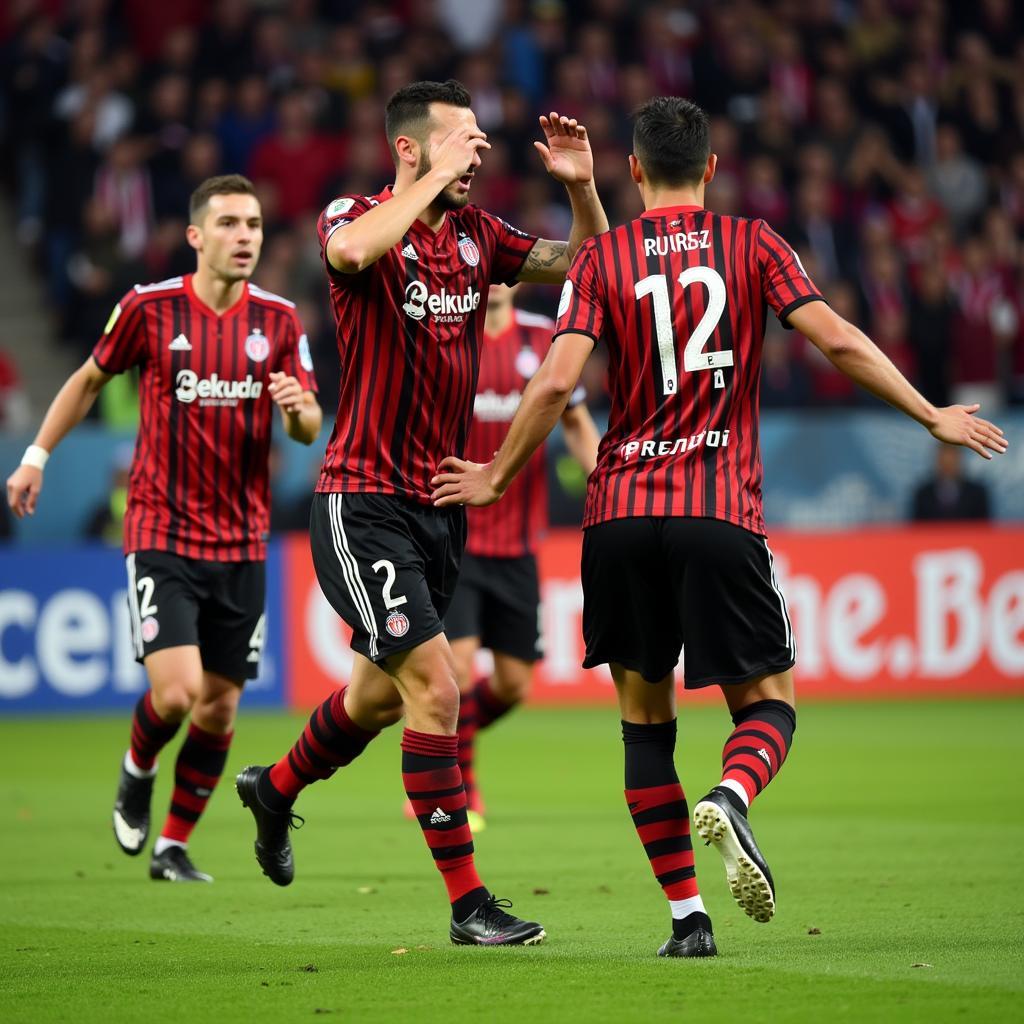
x=173, y=701
x=438, y=697
x=217, y=715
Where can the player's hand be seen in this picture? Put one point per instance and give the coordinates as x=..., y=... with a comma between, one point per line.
x=287, y=392
x=567, y=156
x=457, y=154
x=958, y=424
x=23, y=487
x=459, y=482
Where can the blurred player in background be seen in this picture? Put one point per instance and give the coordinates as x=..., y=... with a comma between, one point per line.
x=216, y=354
x=674, y=551
x=497, y=599
x=409, y=270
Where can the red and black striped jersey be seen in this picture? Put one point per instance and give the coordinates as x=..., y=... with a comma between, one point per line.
x=409, y=330
x=199, y=482
x=680, y=296
x=512, y=527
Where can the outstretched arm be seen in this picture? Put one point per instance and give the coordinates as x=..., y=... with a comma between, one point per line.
x=66, y=411
x=856, y=355
x=459, y=482
x=568, y=159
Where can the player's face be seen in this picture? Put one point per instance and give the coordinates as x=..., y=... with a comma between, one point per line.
x=443, y=119
x=231, y=236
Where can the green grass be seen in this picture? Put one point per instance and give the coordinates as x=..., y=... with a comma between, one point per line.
x=896, y=830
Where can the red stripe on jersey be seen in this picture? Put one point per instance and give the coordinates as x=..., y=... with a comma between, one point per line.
x=409, y=329
x=680, y=297
x=199, y=483
x=513, y=526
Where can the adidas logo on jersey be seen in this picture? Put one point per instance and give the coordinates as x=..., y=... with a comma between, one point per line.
x=180, y=344
x=439, y=817
x=409, y=252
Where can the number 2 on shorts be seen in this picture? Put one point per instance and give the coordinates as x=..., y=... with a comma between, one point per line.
x=390, y=600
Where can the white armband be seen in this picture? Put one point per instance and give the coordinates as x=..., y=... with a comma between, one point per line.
x=35, y=455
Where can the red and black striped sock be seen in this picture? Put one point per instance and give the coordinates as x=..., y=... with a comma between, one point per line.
x=433, y=783
x=758, y=746
x=489, y=706
x=197, y=771
x=330, y=741
x=662, y=819
x=466, y=734
x=150, y=733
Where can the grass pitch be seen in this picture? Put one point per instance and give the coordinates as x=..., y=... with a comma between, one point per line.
x=895, y=833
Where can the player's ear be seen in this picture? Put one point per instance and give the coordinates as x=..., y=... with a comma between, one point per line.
x=407, y=151
x=709, y=171
x=194, y=237
x=635, y=170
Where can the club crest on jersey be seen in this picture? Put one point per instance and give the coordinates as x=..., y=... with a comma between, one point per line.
x=257, y=346
x=397, y=624
x=468, y=251
x=150, y=629
x=527, y=362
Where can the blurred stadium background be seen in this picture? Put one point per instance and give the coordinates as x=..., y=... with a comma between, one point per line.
x=883, y=138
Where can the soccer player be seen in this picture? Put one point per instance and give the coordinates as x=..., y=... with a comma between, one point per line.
x=497, y=599
x=674, y=551
x=409, y=270
x=215, y=354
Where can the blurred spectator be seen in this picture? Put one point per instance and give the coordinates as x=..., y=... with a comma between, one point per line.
x=947, y=495
x=956, y=180
x=106, y=522
x=15, y=412
x=930, y=329
x=785, y=380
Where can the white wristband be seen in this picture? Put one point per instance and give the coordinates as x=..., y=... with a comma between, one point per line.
x=35, y=455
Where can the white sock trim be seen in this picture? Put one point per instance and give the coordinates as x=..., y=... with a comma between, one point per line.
x=163, y=843
x=134, y=770
x=737, y=789
x=683, y=908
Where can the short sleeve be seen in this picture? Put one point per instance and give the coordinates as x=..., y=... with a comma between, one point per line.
x=337, y=214
x=581, y=306
x=784, y=281
x=294, y=357
x=123, y=342
x=511, y=247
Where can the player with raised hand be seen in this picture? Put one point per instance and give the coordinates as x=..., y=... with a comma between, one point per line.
x=216, y=354
x=409, y=270
x=674, y=551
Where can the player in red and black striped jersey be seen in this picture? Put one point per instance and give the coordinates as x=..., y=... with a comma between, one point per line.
x=215, y=355
x=674, y=550
x=497, y=599
x=409, y=269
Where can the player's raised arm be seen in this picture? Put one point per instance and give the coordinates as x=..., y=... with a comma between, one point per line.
x=567, y=158
x=66, y=411
x=856, y=355
x=459, y=482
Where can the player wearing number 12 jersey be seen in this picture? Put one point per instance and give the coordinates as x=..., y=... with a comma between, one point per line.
x=215, y=355
x=674, y=551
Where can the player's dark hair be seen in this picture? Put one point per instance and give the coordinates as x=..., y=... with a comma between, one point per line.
x=671, y=140
x=221, y=185
x=408, y=110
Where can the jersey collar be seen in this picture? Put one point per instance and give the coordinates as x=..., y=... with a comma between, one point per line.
x=203, y=308
x=668, y=211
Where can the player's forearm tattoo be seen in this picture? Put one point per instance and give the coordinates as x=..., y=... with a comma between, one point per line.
x=544, y=255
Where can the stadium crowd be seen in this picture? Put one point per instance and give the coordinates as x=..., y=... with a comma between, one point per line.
x=884, y=139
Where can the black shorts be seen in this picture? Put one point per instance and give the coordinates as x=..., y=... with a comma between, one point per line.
x=653, y=585
x=498, y=600
x=387, y=565
x=215, y=606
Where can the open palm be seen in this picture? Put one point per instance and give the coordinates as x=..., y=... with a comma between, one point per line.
x=567, y=156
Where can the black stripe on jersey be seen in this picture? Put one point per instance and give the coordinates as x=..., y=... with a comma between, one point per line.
x=216, y=498
x=176, y=453
x=651, y=381
x=616, y=348
x=257, y=318
x=414, y=368
x=720, y=400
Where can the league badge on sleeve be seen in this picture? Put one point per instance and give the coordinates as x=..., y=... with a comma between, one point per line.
x=257, y=346
x=468, y=251
x=305, y=358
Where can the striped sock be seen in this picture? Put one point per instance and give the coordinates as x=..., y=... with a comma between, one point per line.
x=489, y=706
x=658, y=806
x=466, y=734
x=757, y=747
x=197, y=771
x=150, y=733
x=329, y=741
x=433, y=783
